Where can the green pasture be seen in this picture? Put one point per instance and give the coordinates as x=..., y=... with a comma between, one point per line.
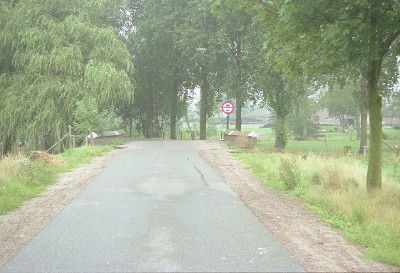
x=331, y=143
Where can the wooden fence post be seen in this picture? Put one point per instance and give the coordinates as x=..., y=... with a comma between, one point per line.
x=395, y=148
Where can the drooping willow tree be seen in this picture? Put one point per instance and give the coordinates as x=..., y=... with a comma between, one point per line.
x=55, y=54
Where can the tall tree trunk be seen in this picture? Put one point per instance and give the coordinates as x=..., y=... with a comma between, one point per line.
x=239, y=92
x=280, y=132
x=364, y=109
x=130, y=126
x=364, y=127
x=303, y=105
x=305, y=129
x=4, y=139
x=239, y=106
x=149, y=122
x=357, y=124
x=203, y=104
x=374, y=173
x=174, y=110
x=187, y=122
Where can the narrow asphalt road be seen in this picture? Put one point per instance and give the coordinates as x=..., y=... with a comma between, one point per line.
x=157, y=207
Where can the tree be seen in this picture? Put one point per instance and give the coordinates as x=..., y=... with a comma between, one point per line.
x=58, y=53
x=161, y=63
x=327, y=36
x=340, y=100
x=253, y=67
x=281, y=98
x=168, y=67
x=240, y=34
x=209, y=63
x=301, y=121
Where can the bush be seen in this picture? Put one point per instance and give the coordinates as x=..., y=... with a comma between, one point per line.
x=289, y=172
x=297, y=127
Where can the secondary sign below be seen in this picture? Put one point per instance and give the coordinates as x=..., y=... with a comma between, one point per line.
x=227, y=107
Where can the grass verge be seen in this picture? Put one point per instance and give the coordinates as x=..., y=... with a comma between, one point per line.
x=334, y=188
x=22, y=179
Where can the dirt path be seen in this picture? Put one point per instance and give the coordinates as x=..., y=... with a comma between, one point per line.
x=317, y=246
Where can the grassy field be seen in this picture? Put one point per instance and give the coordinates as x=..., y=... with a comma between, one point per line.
x=22, y=179
x=331, y=143
x=333, y=186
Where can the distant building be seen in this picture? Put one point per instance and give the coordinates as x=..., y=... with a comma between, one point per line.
x=322, y=117
x=390, y=117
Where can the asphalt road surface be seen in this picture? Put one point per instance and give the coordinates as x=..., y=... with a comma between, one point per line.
x=157, y=207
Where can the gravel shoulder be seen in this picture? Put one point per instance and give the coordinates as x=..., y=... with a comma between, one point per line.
x=318, y=247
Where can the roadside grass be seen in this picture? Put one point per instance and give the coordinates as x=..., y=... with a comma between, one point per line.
x=333, y=186
x=22, y=179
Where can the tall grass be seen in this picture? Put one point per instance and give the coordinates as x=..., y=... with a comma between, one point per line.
x=334, y=188
x=22, y=179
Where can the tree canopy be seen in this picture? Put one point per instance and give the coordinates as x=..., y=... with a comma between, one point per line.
x=316, y=38
x=59, y=57
x=57, y=53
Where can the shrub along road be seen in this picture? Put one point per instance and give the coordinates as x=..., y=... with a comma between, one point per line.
x=157, y=206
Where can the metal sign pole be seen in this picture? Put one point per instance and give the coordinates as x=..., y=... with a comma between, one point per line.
x=227, y=108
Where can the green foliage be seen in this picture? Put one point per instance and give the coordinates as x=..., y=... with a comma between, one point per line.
x=213, y=131
x=297, y=126
x=324, y=40
x=243, y=50
x=56, y=55
x=162, y=60
x=87, y=116
x=341, y=99
x=391, y=167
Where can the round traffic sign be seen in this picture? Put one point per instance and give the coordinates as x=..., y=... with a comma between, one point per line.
x=227, y=107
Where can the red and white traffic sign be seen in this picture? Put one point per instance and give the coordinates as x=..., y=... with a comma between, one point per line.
x=227, y=107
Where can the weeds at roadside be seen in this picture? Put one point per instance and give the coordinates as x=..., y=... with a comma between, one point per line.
x=334, y=189
x=289, y=172
x=22, y=179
